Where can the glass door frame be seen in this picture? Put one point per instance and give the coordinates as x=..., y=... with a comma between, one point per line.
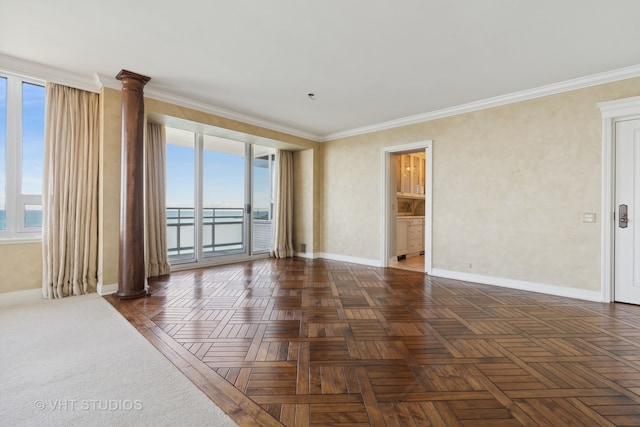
x=248, y=252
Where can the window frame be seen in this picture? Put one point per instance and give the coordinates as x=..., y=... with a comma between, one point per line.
x=15, y=200
x=199, y=258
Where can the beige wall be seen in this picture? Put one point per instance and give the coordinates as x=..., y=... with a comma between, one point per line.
x=109, y=182
x=509, y=187
x=20, y=266
x=303, y=202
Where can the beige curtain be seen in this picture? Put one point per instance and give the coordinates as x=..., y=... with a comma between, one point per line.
x=70, y=192
x=157, y=262
x=282, y=242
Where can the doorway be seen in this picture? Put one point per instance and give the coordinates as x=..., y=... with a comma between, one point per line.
x=621, y=193
x=626, y=195
x=407, y=206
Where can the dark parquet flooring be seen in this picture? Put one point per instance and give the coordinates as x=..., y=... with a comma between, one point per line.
x=300, y=342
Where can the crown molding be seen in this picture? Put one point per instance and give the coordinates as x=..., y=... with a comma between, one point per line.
x=96, y=81
x=551, y=89
x=153, y=92
x=47, y=73
x=161, y=95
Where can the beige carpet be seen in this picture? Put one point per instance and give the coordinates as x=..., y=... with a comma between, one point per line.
x=77, y=362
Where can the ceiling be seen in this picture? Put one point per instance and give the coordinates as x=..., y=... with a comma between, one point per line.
x=366, y=61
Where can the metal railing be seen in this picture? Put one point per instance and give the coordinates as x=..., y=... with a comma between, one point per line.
x=223, y=231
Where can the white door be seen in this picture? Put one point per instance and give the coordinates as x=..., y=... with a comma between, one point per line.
x=627, y=216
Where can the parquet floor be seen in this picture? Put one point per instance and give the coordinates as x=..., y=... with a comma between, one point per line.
x=301, y=342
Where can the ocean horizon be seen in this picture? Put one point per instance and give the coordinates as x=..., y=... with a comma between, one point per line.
x=32, y=219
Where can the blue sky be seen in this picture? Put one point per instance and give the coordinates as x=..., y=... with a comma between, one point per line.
x=33, y=102
x=223, y=178
x=32, y=138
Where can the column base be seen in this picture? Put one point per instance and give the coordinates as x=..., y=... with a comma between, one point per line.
x=132, y=295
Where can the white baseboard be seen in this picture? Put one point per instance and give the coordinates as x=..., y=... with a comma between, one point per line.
x=308, y=255
x=346, y=258
x=522, y=285
x=107, y=289
x=21, y=295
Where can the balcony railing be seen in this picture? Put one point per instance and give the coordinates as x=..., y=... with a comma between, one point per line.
x=223, y=231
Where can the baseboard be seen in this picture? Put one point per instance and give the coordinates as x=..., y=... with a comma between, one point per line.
x=346, y=258
x=522, y=285
x=308, y=255
x=20, y=295
x=107, y=289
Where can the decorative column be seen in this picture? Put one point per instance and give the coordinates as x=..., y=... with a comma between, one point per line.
x=131, y=274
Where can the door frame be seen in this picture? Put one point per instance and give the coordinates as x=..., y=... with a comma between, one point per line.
x=612, y=112
x=385, y=231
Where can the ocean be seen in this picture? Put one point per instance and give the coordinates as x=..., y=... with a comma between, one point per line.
x=32, y=219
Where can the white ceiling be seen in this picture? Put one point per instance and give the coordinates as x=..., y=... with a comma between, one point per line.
x=367, y=61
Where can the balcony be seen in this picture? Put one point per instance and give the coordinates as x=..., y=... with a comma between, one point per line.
x=223, y=231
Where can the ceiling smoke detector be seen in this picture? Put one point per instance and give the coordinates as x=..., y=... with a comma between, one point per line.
x=312, y=96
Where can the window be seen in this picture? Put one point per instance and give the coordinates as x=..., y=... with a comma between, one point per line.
x=219, y=197
x=22, y=105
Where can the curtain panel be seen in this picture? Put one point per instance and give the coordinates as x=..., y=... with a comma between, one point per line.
x=282, y=242
x=157, y=262
x=70, y=192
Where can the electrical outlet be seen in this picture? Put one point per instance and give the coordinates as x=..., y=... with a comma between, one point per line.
x=303, y=247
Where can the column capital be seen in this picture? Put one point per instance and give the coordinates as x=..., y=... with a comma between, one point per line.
x=131, y=80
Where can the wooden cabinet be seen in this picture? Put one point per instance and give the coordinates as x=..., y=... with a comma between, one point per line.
x=410, y=175
x=409, y=236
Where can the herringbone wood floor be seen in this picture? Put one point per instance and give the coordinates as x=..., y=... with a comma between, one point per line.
x=314, y=342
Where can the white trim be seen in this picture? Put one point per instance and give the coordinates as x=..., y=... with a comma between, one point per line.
x=350, y=259
x=35, y=293
x=307, y=255
x=107, y=289
x=620, y=108
x=428, y=208
x=216, y=261
x=21, y=240
x=46, y=73
x=522, y=285
x=612, y=111
x=525, y=95
x=94, y=82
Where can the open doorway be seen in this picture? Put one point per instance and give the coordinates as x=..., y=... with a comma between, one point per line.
x=407, y=206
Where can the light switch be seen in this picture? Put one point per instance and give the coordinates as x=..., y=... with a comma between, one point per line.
x=589, y=217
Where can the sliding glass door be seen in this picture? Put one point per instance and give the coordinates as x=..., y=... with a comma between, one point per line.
x=223, y=196
x=262, y=202
x=219, y=198
x=180, y=193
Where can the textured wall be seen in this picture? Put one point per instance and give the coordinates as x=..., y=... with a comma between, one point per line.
x=303, y=203
x=510, y=185
x=21, y=266
x=109, y=193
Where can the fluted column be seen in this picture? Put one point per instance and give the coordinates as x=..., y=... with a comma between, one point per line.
x=131, y=273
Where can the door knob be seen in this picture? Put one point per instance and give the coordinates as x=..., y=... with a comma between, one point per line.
x=622, y=216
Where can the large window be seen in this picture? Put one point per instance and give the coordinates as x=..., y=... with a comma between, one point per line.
x=22, y=106
x=219, y=197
